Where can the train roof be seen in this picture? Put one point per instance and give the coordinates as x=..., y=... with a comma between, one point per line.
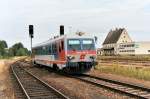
x=67, y=36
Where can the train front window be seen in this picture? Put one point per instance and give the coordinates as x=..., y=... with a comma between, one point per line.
x=88, y=44
x=74, y=44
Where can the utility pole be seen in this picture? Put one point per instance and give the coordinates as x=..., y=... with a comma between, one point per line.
x=31, y=32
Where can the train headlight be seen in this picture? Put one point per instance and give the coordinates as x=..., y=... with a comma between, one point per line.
x=70, y=57
x=92, y=57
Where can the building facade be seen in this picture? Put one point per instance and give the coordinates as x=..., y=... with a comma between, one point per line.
x=114, y=38
x=134, y=48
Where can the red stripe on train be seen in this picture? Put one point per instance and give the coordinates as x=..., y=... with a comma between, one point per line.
x=51, y=62
x=82, y=52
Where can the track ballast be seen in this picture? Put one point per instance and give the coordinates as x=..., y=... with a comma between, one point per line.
x=33, y=87
x=121, y=87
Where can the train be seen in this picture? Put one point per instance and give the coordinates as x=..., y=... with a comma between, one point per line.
x=71, y=53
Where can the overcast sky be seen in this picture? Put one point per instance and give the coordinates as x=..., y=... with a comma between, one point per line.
x=92, y=16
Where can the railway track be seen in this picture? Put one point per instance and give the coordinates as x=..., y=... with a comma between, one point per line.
x=121, y=87
x=34, y=88
x=117, y=86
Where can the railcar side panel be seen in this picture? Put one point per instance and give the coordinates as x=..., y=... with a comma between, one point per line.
x=72, y=53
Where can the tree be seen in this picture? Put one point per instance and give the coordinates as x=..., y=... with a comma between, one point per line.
x=11, y=52
x=3, y=46
x=18, y=50
x=21, y=52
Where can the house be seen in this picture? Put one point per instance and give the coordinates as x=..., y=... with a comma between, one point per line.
x=115, y=37
x=134, y=48
x=99, y=51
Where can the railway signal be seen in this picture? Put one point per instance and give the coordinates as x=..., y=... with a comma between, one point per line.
x=31, y=32
x=61, y=30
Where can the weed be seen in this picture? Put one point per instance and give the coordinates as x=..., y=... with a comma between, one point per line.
x=133, y=72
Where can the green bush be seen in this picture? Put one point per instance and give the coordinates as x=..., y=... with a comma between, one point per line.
x=16, y=50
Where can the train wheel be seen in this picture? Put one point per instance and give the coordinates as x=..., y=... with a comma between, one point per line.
x=34, y=63
x=39, y=65
x=55, y=67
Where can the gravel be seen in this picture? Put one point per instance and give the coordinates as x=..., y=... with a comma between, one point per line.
x=121, y=78
x=74, y=88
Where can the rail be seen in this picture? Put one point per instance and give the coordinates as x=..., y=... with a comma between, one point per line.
x=33, y=87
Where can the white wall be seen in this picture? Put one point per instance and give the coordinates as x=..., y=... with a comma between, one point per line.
x=124, y=37
x=125, y=50
x=140, y=48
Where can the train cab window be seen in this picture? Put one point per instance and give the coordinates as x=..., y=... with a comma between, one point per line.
x=74, y=44
x=88, y=44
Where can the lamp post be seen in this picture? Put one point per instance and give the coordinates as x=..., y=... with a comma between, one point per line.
x=31, y=32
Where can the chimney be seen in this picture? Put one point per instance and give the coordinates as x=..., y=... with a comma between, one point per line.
x=61, y=30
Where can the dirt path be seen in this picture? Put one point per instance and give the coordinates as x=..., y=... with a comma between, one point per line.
x=6, y=91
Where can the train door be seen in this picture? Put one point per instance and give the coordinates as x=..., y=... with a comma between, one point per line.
x=54, y=51
x=61, y=50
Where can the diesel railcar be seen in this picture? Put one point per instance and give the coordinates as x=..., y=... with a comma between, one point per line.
x=72, y=53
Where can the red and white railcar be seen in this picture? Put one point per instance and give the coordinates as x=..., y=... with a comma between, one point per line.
x=73, y=53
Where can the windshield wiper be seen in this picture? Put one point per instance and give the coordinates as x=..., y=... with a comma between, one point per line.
x=72, y=47
x=90, y=47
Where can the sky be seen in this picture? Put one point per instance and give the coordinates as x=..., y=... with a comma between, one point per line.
x=96, y=17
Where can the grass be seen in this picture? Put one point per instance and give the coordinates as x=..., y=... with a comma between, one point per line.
x=6, y=57
x=142, y=73
x=125, y=57
x=14, y=57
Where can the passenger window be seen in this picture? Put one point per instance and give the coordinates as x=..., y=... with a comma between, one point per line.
x=54, y=49
x=49, y=49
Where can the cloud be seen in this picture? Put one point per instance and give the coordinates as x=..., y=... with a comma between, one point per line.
x=92, y=16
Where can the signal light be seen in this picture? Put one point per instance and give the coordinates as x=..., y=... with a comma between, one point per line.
x=31, y=31
x=61, y=30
